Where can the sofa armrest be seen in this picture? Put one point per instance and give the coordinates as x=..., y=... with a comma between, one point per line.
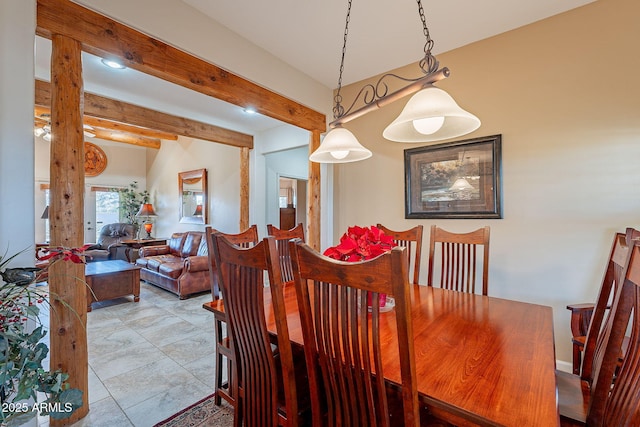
x=196, y=263
x=154, y=250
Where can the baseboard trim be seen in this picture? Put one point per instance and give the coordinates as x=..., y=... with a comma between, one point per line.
x=564, y=366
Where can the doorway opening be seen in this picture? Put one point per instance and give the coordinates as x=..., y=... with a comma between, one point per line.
x=293, y=202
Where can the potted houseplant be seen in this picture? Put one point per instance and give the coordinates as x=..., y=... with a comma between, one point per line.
x=23, y=378
x=130, y=201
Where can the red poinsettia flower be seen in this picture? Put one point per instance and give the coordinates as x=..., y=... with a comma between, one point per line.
x=360, y=243
x=75, y=255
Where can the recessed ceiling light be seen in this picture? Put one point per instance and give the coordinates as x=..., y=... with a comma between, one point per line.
x=250, y=110
x=113, y=64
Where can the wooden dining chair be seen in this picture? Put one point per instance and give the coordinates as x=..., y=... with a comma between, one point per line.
x=412, y=240
x=459, y=259
x=262, y=370
x=247, y=238
x=342, y=341
x=282, y=238
x=613, y=397
x=584, y=315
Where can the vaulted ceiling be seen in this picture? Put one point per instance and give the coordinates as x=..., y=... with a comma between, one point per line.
x=383, y=34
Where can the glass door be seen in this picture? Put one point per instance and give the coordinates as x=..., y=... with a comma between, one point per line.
x=101, y=208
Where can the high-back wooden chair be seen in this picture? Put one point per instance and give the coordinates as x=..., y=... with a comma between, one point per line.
x=260, y=371
x=282, y=242
x=342, y=340
x=412, y=240
x=246, y=239
x=584, y=315
x=459, y=258
x=613, y=397
x=622, y=406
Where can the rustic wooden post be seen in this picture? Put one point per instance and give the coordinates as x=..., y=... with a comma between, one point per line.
x=244, y=188
x=313, y=198
x=66, y=211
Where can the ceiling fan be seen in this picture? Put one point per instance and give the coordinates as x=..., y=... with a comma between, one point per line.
x=43, y=128
x=104, y=129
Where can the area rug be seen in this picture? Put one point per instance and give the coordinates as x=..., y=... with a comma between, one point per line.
x=201, y=414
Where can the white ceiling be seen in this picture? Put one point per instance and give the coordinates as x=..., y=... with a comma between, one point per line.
x=308, y=35
x=144, y=90
x=383, y=34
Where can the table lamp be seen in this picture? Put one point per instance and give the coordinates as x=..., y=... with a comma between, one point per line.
x=146, y=211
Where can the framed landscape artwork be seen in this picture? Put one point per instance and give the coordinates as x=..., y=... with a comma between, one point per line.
x=454, y=180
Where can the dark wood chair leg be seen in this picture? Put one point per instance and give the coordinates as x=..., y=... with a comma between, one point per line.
x=223, y=390
x=577, y=359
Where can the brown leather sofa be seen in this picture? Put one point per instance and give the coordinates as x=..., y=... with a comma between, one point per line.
x=181, y=266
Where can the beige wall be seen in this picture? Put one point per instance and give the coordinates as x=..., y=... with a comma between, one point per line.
x=564, y=93
x=223, y=172
x=125, y=163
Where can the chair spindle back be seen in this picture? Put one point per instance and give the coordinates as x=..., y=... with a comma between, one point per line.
x=245, y=239
x=412, y=240
x=595, y=340
x=459, y=259
x=620, y=405
x=282, y=242
x=241, y=275
x=342, y=339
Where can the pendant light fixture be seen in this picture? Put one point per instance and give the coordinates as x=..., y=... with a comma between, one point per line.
x=430, y=115
x=340, y=145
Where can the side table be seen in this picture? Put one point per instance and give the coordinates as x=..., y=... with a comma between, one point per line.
x=135, y=244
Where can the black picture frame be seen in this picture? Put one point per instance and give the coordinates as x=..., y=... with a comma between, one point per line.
x=460, y=179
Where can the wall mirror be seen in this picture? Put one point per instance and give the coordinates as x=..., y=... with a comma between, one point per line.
x=192, y=188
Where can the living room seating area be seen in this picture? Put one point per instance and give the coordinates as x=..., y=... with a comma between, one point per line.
x=108, y=245
x=181, y=266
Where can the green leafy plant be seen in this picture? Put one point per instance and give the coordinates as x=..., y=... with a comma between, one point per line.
x=130, y=201
x=22, y=352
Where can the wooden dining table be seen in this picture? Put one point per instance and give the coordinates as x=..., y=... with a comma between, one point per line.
x=492, y=358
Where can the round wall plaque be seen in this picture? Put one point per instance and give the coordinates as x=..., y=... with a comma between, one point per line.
x=95, y=160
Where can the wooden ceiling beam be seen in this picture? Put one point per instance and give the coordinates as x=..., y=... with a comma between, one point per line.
x=105, y=37
x=127, y=138
x=99, y=107
x=103, y=124
x=111, y=131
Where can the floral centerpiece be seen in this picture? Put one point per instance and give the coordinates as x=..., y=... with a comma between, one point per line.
x=22, y=376
x=359, y=244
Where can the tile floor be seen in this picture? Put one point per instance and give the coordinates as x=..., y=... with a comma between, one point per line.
x=147, y=360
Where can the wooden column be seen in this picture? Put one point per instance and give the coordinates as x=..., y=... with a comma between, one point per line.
x=66, y=212
x=313, y=195
x=244, y=189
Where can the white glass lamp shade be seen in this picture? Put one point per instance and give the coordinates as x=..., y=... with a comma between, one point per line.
x=339, y=146
x=431, y=115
